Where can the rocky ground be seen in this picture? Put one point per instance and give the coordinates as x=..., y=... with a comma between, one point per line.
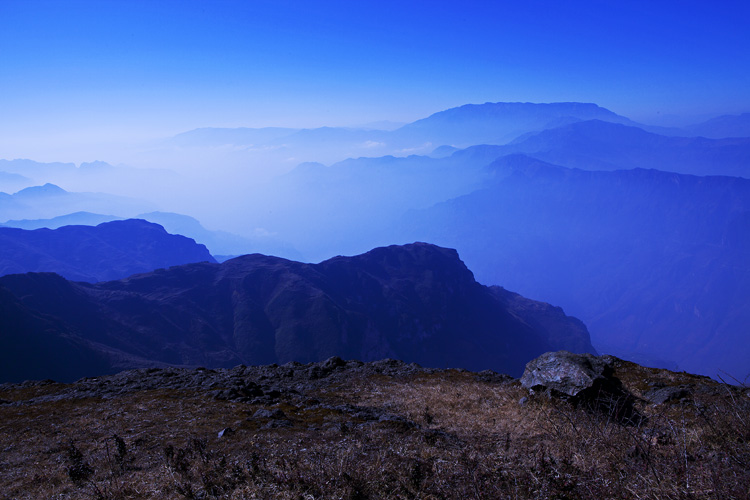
x=386, y=429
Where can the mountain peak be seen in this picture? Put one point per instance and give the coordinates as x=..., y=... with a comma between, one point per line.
x=501, y=122
x=45, y=190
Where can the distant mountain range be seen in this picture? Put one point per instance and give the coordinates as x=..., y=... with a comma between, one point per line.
x=568, y=202
x=600, y=145
x=88, y=176
x=655, y=263
x=722, y=126
x=471, y=124
x=49, y=200
x=111, y=250
x=495, y=123
x=416, y=303
x=73, y=219
x=499, y=122
x=352, y=204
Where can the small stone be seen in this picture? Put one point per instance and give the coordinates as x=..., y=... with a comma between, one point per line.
x=225, y=432
x=277, y=423
x=273, y=414
x=665, y=394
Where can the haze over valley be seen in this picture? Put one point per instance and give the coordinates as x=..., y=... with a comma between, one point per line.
x=373, y=250
x=641, y=235
x=580, y=159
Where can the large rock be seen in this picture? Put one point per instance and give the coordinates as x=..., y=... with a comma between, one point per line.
x=567, y=373
x=585, y=380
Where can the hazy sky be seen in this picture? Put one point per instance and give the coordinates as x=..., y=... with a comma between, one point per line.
x=100, y=71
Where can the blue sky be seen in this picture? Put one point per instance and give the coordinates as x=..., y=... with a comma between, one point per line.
x=116, y=70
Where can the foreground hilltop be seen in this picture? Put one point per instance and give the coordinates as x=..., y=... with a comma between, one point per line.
x=383, y=429
x=417, y=302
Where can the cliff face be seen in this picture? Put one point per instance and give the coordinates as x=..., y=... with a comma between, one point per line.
x=418, y=303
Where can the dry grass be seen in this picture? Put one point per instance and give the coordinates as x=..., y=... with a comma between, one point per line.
x=472, y=439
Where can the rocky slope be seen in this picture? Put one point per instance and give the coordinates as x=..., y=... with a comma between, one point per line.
x=415, y=302
x=383, y=429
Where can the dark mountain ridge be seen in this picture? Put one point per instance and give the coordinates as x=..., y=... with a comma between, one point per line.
x=415, y=302
x=217, y=242
x=111, y=250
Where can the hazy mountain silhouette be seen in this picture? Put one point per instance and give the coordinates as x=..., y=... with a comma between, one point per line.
x=10, y=182
x=92, y=176
x=108, y=251
x=49, y=200
x=35, y=169
x=468, y=125
x=499, y=122
x=443, y=151
x=655, y=263
x=722, y=127
x=330, y=137
x=352, y=204
x=220, y=242
x=416, y=303
x=600, y=145
x=74, y=219
x=242, y=136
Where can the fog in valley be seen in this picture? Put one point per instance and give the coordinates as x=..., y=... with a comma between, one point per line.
x=642, y=235
x=596, y=158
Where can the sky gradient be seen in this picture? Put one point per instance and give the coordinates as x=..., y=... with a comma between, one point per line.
x=84, y=72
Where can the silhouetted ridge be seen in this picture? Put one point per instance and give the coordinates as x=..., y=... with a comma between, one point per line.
x=418, y=303
x=108, y=251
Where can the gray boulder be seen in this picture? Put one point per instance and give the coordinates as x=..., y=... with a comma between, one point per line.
x=584, y=380
x=567, y=373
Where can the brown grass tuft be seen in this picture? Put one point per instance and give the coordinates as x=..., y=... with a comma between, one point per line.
x=430, y=435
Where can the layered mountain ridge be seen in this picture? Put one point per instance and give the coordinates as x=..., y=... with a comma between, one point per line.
x=415, y=302
x=655, y=263
x=110, y=250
